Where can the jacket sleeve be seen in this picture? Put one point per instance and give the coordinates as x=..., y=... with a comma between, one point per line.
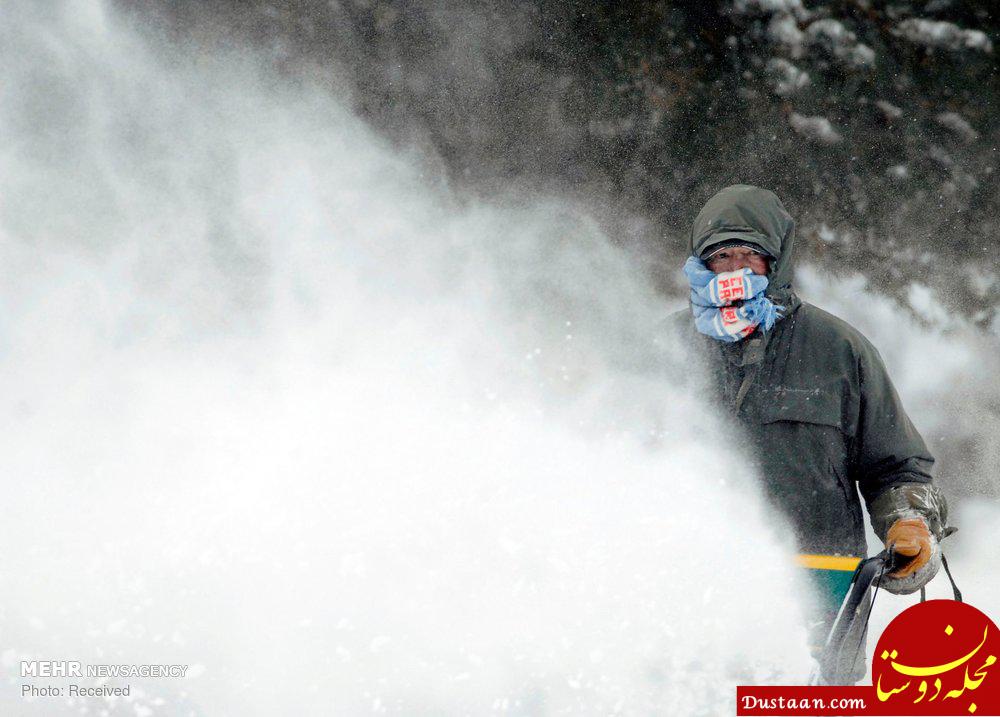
x=890, y=460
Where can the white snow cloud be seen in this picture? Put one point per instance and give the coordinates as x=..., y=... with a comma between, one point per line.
x=946, y=35
x=889, y=110
x=786, y=78
x=957, y=124
x=839, y=42
x=279, y=406
x=816, y=129
x=792, y=7
x=783, y=29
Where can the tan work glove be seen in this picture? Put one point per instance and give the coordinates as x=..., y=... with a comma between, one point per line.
x=910, y=538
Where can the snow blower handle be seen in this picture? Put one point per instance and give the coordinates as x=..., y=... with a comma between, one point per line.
x=833, y=670
x=893, y=560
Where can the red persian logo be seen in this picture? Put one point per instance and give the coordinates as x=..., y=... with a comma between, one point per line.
x=939, y=657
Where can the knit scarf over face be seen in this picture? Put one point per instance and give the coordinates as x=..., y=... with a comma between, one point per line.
x=730, y=306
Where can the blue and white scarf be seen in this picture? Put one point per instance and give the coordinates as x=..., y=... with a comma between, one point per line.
x=729, y=306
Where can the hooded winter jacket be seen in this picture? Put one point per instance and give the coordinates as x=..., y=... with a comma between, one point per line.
x=813, y=399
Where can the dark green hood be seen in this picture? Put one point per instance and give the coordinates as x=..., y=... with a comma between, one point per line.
x=752, y=214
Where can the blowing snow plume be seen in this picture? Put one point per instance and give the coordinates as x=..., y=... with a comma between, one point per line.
x=278, y=408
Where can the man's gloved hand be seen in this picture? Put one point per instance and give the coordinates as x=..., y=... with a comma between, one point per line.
x=911, y=540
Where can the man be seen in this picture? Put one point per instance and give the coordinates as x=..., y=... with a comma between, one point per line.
x=809, y=394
